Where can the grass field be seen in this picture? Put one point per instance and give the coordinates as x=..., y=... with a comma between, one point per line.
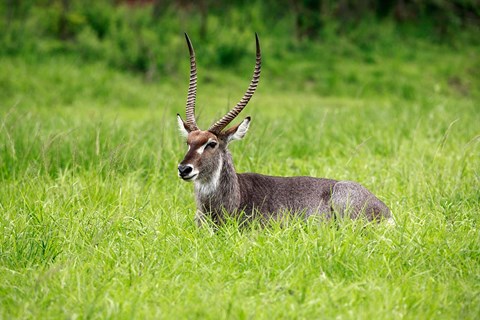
x=95, y=223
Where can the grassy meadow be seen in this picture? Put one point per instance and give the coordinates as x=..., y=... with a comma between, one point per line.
x=95, y=223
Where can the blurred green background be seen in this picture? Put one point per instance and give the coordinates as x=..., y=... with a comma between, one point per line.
x=78, y=61
x=145, y=37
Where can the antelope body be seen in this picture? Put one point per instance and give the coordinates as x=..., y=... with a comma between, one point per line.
x=220, y=191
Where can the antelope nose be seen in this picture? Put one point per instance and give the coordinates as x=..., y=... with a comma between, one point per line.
x=184, y=169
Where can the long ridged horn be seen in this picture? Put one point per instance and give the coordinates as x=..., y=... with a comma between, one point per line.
x=218, y=126
x=192, y=89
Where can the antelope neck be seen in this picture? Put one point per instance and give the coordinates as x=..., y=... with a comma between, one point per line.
x=223, y=181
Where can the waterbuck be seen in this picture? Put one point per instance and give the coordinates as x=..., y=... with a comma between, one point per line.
x=221, y=192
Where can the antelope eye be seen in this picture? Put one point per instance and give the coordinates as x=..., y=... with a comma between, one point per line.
x=212, y=144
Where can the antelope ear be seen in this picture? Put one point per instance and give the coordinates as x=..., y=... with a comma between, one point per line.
x=237, y=132
x=182, y=127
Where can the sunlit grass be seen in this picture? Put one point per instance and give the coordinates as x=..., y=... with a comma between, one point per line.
x=95, y=223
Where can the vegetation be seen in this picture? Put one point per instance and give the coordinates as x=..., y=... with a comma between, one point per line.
x=94, y=222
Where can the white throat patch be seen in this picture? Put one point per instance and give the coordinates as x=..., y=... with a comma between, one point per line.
x=209, y=187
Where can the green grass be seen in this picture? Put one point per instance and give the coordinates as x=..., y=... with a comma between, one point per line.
x=95, y=223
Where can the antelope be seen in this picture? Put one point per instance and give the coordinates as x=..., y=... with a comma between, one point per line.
x=221, y=192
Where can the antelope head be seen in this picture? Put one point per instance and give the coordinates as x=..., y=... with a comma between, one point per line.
x=203, y=160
